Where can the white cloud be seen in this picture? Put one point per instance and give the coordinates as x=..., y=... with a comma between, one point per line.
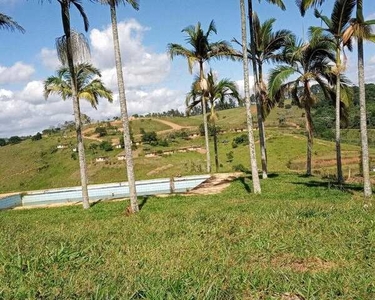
x=49, y=58
x=142, y=67
x=26, y=111
x=352, y=69
x=19, y=72
x=241, y=86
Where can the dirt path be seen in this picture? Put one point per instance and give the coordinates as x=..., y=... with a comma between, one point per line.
x=215, y=184
x=173, y=126
x=94, y=138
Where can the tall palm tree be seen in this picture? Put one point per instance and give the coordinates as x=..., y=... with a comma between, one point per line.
x=335, y=28
x=89, y=85
x=202, y=51
x=249, y=118
x=122, y=99
x=8, y=23
x=268, y=46
x=70, y=47
x=361, y=30
x=217, y=91
x=257, y=82
x=307, y=64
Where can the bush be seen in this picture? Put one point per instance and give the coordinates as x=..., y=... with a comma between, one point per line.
x=230, y=156
x=148, y=137
x=287, y=106
x=36, y=137
x=102, y=131
x=242, y=139
x=163, y=143
x=106, y=146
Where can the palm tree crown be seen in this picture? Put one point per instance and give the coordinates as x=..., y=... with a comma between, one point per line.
x=202, y=50
x=89, y=86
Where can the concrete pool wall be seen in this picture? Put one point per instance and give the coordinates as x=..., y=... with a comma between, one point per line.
x=102, y=191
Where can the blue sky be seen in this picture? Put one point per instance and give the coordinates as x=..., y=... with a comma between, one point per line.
x=154, y=83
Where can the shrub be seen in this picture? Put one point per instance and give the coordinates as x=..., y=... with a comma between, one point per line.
x=106, y=146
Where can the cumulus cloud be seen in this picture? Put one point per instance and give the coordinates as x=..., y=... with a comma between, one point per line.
x=26, y=111
x=241, y=86
x=49, y=58
x=19, y=72
x=141, y=66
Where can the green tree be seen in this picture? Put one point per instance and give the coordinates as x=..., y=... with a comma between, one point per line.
x=202, y=51
x=361, y=30
x=249, y=118
x=267, y=47
x=71, y=48
x=88, y=86
x=14, y=140
x=217, y=91
x=8, y=23
x=36, y=137
x=113, y=4
x=307, y=64
x=336, y=26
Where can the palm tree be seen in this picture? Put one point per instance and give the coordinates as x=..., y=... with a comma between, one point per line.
x=268, y=45
x=8, y=23
x=122, y=99
x=257, y=82
x=307, y=64
x=69, y=48
x=217, y=91
x=336, y=26
x=89, y=86
x=202, y=51
x=361, y=30
x=249, y=118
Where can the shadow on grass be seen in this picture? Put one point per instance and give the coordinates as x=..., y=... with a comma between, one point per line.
x=143, y=203
x=96, y=203
x=347, y=188
x=244, y=183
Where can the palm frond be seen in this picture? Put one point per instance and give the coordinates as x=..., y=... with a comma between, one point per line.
x=78, y=5
x=79, y=46
x=8, y=23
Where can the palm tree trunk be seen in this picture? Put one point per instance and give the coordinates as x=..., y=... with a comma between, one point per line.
x=205, y=124
x=215, y=148
x=258, y=99
x=364, y=139
x=124, y=113
x=309, y=134
x=249, y=118
x=340, y=177
x=76, y=107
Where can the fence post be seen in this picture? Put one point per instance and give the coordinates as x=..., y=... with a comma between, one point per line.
x=171, y=185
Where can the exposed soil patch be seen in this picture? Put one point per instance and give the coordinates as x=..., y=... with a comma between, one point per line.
x=215, y=184
x=302, y=265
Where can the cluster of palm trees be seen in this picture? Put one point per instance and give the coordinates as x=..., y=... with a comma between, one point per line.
x=301, y=64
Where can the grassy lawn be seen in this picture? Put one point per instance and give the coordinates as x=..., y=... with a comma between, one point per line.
x=299, y=238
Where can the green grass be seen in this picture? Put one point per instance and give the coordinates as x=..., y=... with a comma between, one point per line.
x=298, y=237
x=148, y=125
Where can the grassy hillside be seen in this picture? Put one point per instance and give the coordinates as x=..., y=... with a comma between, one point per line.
x=39, y=165
x=299, y=240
